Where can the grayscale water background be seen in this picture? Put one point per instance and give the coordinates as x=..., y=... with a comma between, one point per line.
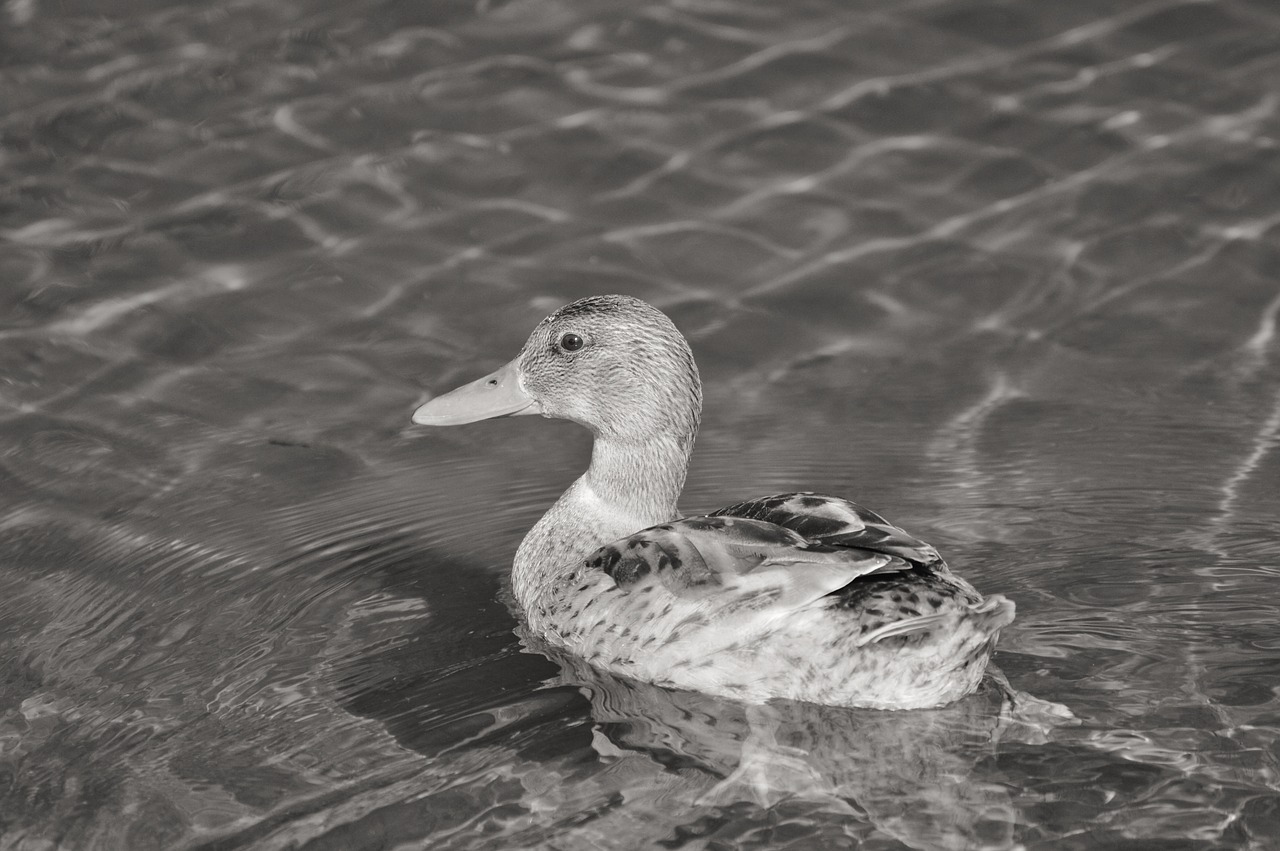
x=1007, y=272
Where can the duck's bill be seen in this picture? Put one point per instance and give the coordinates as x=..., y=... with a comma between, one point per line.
x=498, y=394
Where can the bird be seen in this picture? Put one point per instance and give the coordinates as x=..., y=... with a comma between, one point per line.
x=796, y=596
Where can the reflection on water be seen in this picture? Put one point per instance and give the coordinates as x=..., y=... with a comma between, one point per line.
x=1006, y=272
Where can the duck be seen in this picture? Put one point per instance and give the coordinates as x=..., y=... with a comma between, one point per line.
x=794, y=596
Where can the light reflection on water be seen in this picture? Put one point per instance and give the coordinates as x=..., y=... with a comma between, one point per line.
x=1005, y=272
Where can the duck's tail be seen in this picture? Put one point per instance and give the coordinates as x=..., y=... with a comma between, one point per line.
x=979, y=631
x=980, y=628
x=993, y=614
x=944, y=665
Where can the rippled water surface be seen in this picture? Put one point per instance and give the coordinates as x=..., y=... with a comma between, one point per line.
x=1008, y=272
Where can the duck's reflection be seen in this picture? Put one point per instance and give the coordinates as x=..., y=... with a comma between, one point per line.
x=920, y=777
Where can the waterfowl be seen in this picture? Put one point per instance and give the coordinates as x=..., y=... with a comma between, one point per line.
x=796, y=595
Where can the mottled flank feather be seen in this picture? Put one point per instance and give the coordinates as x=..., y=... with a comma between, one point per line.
x=797, y=595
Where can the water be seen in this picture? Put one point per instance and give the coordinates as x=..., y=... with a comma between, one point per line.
x=1005, y=272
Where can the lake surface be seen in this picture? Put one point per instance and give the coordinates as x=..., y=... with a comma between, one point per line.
x=1006, y=272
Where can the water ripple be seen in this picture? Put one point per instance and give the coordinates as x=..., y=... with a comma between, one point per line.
x=1003, y=273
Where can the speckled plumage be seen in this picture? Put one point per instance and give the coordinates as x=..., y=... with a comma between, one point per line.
x=797, y=596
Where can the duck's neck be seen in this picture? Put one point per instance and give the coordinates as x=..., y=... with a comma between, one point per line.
x=629, y=486
x=641, y=479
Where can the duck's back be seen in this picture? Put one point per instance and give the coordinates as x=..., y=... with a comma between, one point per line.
x=796, y=595
x=834, y=521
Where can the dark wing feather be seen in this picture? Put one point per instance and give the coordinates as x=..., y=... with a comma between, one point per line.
x=835, y=522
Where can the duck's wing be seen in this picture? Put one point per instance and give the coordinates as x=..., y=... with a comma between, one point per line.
x=835, y=522
x=736, y=563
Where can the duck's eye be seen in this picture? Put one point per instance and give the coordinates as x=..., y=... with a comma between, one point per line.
x=571, y=342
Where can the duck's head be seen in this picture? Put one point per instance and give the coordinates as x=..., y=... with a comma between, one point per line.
x=612, y=363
